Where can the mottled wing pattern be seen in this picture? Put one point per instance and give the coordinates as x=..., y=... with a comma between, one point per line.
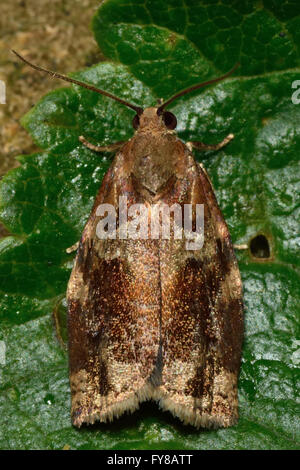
x=202, y=325
x=113, y=319
x=151, y=319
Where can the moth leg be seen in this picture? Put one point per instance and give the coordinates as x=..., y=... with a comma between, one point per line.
x=241, y=247
x=202, y=146
x=99, y=148
x=58, y=314
x=73, y=247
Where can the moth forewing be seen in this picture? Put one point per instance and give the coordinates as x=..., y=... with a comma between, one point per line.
x=156, y=320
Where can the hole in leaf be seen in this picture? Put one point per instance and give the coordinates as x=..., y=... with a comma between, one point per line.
x=259, y=247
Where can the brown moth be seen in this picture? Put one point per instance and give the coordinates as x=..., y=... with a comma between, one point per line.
x=147, y=318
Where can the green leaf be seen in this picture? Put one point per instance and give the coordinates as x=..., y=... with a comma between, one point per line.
x=154, y=49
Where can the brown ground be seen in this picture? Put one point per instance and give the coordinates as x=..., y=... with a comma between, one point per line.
x=52, y=33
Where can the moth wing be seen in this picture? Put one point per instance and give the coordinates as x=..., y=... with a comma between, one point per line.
x=113, y=316
x=202, y=325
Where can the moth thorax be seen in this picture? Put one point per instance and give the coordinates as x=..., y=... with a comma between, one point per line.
x=154, y=160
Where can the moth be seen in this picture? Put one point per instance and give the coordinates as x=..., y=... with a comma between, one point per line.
x=148, y=318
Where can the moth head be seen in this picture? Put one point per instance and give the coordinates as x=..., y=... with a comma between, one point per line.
x=151, y=119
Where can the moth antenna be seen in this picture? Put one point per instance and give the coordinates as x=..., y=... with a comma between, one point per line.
x=195, y=87
x=137, y=109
